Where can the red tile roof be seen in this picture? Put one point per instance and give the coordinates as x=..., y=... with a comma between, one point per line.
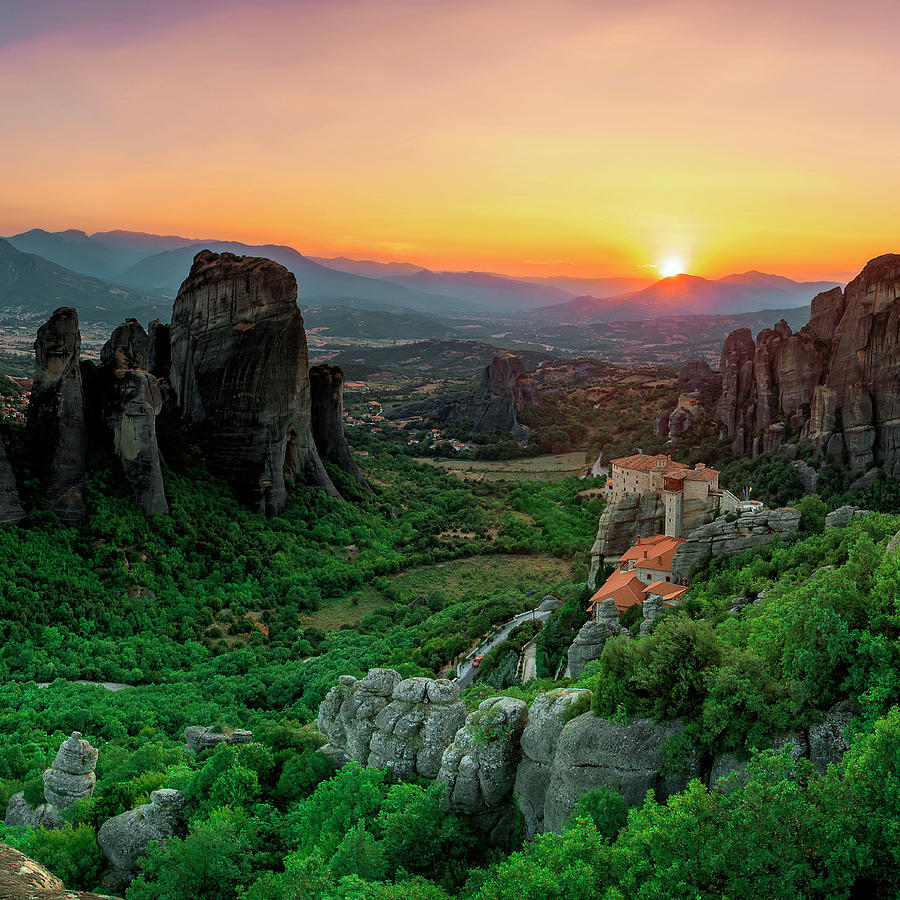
x=655, y=552
x=644, y=462
x=666, y=589
x=625, y=588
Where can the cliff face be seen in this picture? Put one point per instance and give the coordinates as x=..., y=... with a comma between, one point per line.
x=327, y=399
x=834, y=385
x=55, y=431
x=239, y=373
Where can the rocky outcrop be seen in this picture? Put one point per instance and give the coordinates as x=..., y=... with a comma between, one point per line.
x=834, y=385
x=240, y=376
x=21, y=878
x=700, y=388
x=412, y=731
x=69, y=779
x=843, y=516
x=124, y=838
x=746, y=532
x=55, y=431
x=199, y=738
x=828, y=740
x=10, y=507
x=479, y=767
x=621, y=524
x=547, y=716
x=327, y=401
x=593, y=635
x=492, y=406
x=129, y=399
x=593, y=753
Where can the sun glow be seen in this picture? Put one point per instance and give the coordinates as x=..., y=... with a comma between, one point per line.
x=672, y=265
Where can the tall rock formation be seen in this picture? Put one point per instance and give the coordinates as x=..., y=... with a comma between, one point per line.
x=492, y=406
x=129, y=401
x=834, y=385
x=327, y=393
x=55, y=430
x=240, y=375
x=10, y=507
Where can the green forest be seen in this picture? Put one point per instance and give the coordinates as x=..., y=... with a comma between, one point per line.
x=216, y=616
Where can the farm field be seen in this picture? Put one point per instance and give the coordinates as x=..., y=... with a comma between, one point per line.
x=548, y=467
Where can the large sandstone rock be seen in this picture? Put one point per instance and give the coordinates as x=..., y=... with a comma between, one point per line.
x=593, y=635
x=593, y=752
x=199, y=737
x=748, y=531
x=21, y=878
x=835, y=384
x=621, y=524
x=327, y=392
x=843, y=516
x=10, y=506
x=492, y=406
x=547, y=716
x=129, y=400
x=124, y=838
x=55, y=429
x=479, y=767
x=240, y=375
x=416, y=727
x=71, y=777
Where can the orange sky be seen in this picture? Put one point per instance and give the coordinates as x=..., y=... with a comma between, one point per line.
x=582, y=138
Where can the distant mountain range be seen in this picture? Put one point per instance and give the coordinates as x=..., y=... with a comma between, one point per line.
x=32, y=287
x=684, y=295
x=139, y=269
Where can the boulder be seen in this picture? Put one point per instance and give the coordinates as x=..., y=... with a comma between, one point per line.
x=55, y=430
x=71, y=777
x=479, y=767
x=593, y=635
x=124, y=838
x=327, y=400
x=827, y=739
x=21, y=878
x=842, y=516
x=593, y=752
x=547, y=716
x=240, y=376
x=199, y=737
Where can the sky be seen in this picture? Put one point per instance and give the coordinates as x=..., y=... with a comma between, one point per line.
x=542, y=138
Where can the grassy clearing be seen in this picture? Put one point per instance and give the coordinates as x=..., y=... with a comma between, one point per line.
x=454, y=579
x=549, y=467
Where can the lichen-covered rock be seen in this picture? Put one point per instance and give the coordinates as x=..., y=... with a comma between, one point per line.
x=827, y=739
x=21, y=878
x=55, y=431
x=593, y=635
x=199, y=737
x=479, y=767
x=416, y=727
x=593, y=752
x=240, y=375
x=71, y=777
x=20, y=812
x=843, y=516
x=547, y=716
x=124, y=838
x=721, y=536
x=327, y=399
x=651, y=608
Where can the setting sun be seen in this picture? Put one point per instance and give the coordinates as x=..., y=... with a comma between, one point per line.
x=673, y=265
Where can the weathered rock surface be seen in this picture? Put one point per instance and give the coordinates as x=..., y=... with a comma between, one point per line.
x=198, y=737
x=240, y=375
x=479, y=767
x=21, y=878
x=69, y=779
x=827, y=739
x=55, y=432
x=327, y=393
x=492, y=406
x=621, y=524
x=834, y=385
x=593, y=752
x=593, y=635
x=547, y=716
x=124, y=838
x=749, y=530
x=416, y=727
x=10, y=506
x=843, y=516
